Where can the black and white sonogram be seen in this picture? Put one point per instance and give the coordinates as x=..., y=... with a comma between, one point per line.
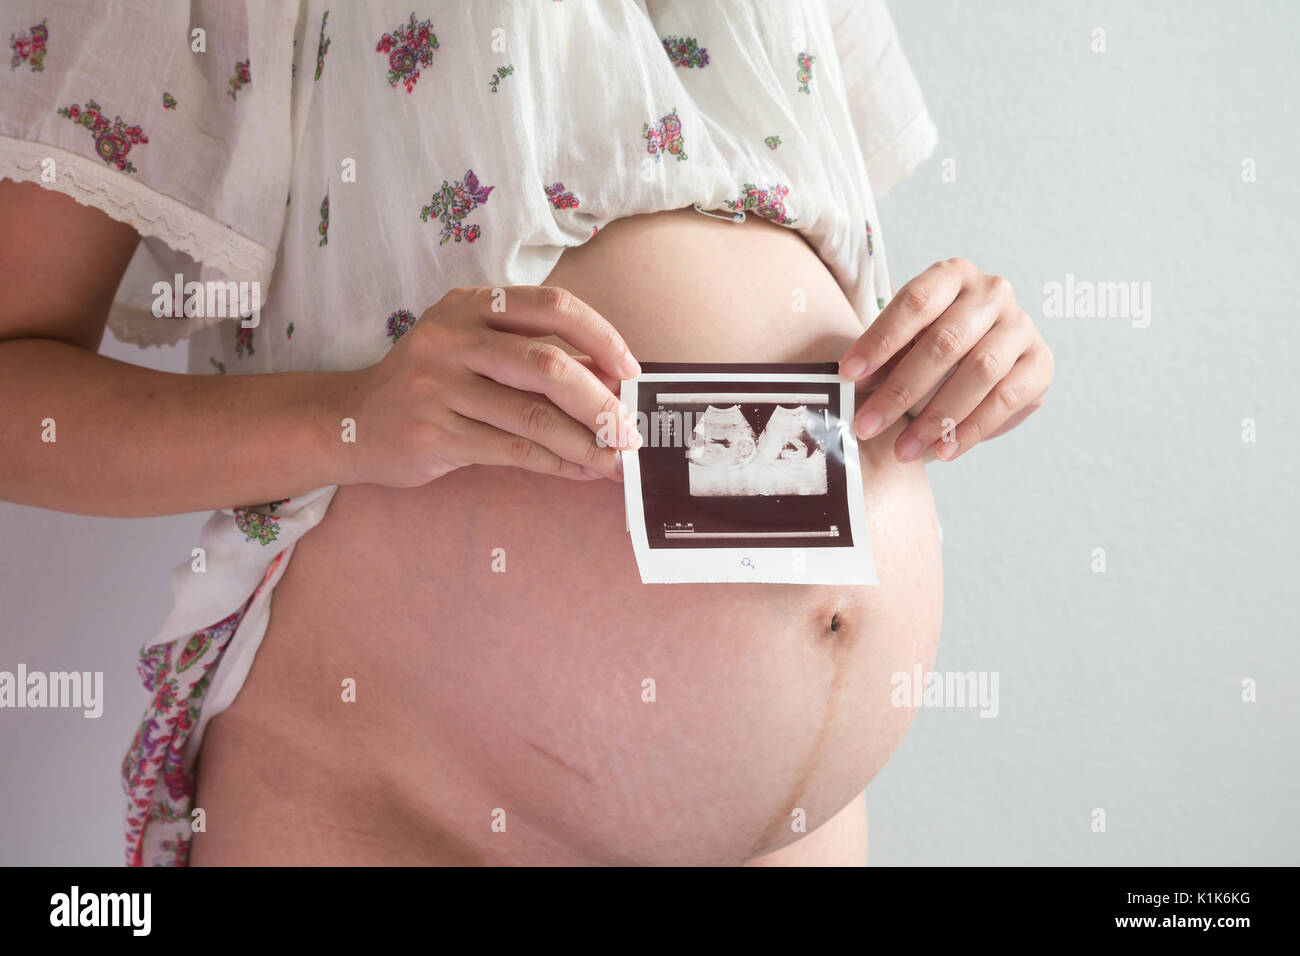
x=724, y=457
x=747, y=473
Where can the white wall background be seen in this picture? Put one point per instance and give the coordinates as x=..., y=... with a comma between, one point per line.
x=1119, y=690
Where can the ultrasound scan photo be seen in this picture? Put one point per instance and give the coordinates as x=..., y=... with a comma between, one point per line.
x=747, y=472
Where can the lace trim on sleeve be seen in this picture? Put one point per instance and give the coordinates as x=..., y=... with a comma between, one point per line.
x=150, y=213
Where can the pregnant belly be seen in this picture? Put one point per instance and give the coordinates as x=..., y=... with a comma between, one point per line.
x=520, y=695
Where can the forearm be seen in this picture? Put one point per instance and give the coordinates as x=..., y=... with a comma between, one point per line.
x=129, y=441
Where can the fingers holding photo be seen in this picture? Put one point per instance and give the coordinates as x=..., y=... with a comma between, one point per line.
x=971, y=358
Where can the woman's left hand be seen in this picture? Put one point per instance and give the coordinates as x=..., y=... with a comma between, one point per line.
x=951, y=318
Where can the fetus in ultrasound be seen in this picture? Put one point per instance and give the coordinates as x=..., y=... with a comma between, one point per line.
x=725, y=459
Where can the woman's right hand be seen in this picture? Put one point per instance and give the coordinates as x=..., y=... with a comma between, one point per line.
x=470, y=385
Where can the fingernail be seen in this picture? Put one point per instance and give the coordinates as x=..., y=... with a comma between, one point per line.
x=946, y=450
x=631, y=434
x=631, y=369
x=590, y=473
x=909, y=448
x=853, y=368
x=869, y=423
x=618, y=464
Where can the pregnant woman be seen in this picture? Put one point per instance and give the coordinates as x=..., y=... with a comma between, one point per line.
x=413, y=630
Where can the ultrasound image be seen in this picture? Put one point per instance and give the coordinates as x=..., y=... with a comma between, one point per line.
x=725, y=459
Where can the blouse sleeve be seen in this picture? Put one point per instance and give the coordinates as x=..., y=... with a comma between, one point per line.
x=889, y=114
x=172, y=117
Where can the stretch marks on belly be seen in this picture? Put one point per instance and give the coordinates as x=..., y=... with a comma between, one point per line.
x=839, y=650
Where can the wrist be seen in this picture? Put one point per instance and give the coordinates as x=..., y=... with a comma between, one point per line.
x=336, y=398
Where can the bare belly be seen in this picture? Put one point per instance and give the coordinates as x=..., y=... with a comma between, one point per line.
x=517, y=698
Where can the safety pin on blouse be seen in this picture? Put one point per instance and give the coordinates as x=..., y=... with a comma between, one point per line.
x=738, y=216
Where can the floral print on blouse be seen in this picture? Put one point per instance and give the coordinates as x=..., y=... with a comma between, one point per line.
x=804, y=76
x=160, y=793
x=399, y=322
x=501, y=73
x=686, y=52
x=560, y=197
x=241, y=78
x=767, y=202
x=665, y=136
x=322, y=47
x=324, y=227
x=409, y=49
x=29, y=47
x=452, y=204
x=113, y=139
